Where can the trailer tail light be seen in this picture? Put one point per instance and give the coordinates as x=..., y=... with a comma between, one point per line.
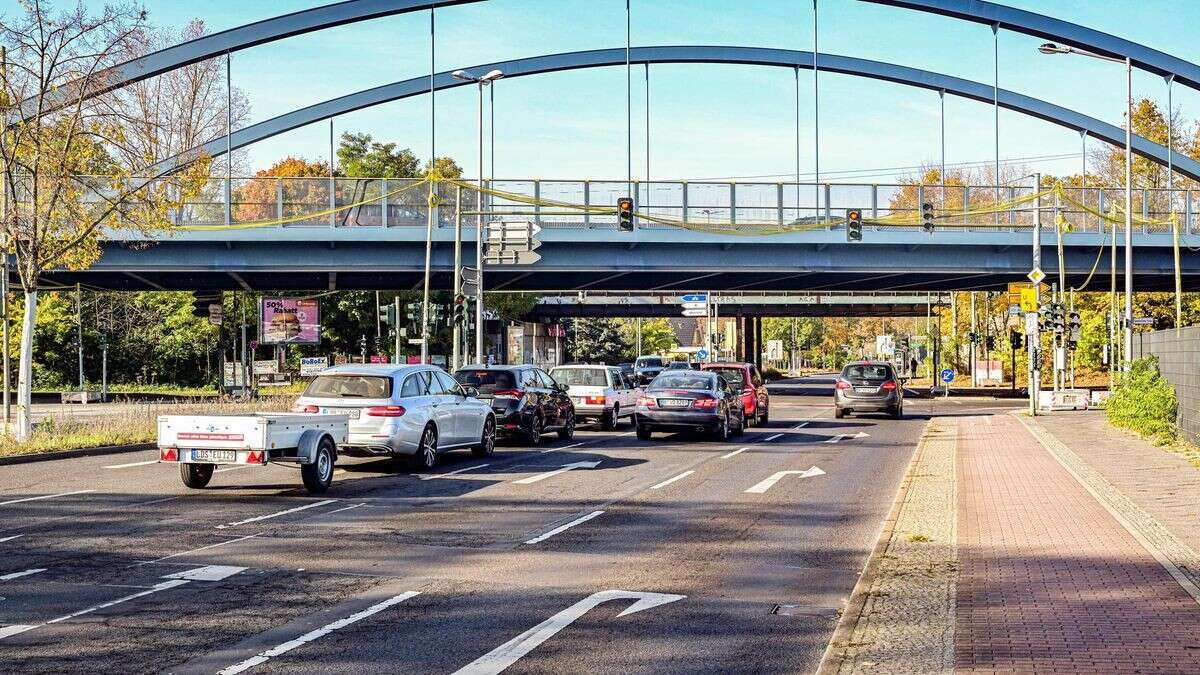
x=168, y=455
x=254, y=457
x=890, y=385
x=386, y=411
x=647, y=402
x=708, y=403
x=842, y=384
x=305, y=409
x=594, y=400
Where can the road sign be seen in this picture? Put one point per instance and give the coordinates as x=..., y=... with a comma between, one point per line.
x=1143, y=321
x=216, y=313
x=947, y=375
x=511, y=257
x=470, y=281
x=694, y=305
x=1036, y=275
x=696, y=297
x=415, y=341
x=1029, y=301
x=695, y=312
x=702, y=354
x=1014, y=310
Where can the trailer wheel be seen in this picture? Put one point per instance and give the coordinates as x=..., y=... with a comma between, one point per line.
x=319, y=475
x=196, y=475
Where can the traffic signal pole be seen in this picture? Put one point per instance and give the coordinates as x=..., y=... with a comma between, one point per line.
x=1032, y=338
x=457, y=339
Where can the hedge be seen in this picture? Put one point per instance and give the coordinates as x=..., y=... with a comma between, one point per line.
x=1144, y=402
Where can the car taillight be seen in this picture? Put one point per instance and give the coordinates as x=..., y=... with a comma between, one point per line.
x=509, y=393
x=386, y=411
x=842, y=384
x=647, y=402
x=305, y=409
x=594, y=400
x=888, y=386
x=705, y=403
x=168, y=455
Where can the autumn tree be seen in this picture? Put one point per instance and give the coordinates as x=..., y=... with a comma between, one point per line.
x=258, y=199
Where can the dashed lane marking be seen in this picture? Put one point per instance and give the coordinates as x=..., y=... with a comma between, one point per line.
x=34, y=499
x=18, y=575
x=431, y=476
x=563, y=447
x=564, y=528
x=317, y=634
x=771, y=438
x=204, y=548
x=735, y=452
x=9, y=631
x=132, y=464
x=269, y=516
x=668, y=481
x=15, y=536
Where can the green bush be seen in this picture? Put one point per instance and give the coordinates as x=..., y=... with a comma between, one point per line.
x=771, y=374
x=1144, y=402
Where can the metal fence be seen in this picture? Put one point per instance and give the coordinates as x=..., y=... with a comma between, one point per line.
x=1179, y=362
x=401, y=202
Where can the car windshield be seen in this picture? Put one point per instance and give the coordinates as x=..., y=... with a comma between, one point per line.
x=736, y=377
x=487, y=381
x=350, y=386
x=679, y=365
x=587, y=377
x=868, y=371
x=683, y=379
x=649, y=362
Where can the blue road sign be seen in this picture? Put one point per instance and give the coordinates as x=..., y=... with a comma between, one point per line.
x=698, y=297
x=948, y=375
x=702, y=354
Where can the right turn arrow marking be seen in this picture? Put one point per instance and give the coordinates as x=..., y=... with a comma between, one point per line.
x=765, y=485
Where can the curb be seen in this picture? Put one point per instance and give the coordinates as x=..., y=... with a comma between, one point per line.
x=73, y=454
x=834, y=656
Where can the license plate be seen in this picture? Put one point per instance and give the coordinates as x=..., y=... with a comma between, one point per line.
x=352, y=413
x=674, y=402
x=214, y=456
x=578, y=400
x=866, y=390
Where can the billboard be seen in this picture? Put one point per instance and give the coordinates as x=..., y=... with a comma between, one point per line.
x=292, y=321
x=311, y=365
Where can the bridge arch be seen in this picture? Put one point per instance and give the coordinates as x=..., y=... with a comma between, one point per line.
x=846, y=65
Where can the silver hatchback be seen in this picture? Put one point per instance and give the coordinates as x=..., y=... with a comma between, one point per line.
x=415, y=411
x=868, y=386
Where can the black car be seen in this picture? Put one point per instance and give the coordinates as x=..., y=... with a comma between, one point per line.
x=627, y=369
x=526, y=400
x=868, y=386
x=646, y=368
x=690, y=400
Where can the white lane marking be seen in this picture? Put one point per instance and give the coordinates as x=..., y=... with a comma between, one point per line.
x=235, y=467
x=771, y=438
x=563, y=469
x=315, y=634
x=34, y=499
x=269, y=516
x=763, y=486
x=9, y=631
x=510, y=652
x=561, y=447
x=564, y=528
x=346, y=508
x=800, y=426
x=735, y=452
x=126, y=466
x=668, y=481
x=18, y=575
x=207, y=573
x=431, y=476
x=845, y=437
x=203, y=548
x=835, y=439
x=15, y=536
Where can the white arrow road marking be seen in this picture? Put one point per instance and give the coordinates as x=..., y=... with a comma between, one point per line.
x=771, y=438
x=565, y=468
x=510, y=652
x=563, y=528
x=843, y=437
x=34, y=499
x=431, y=476
x=15, y=536
x=735, y=452
x=255, y=519
x=207, y=573
x=765, y=485
x=668, y=481
x=9, y=631
x=18, y=575
x=315, y=634
x=126, y=466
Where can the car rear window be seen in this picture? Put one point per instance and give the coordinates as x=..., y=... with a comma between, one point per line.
x=868, y=372
x=487, y=381
x=683, y=379
x=736, y=377
x=350, y=386
x=649, y=363
x=587, y=377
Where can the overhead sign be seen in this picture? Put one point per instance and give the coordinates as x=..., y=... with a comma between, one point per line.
x=695, y=312
x=694, y=305
x=293, y=321
x=512, y=243
x=511, y=257
x=696, y=297
x=1036, y=275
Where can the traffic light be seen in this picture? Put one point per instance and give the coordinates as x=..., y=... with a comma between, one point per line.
x=201, y=301
x=927, y=217
x=972, y=337
x=460, y=309
x=389, y=314
x=854, y=225
x=1060, y=323
x=1075, y=326
x=1014, y=340
x=625, y=214
x=989, y=343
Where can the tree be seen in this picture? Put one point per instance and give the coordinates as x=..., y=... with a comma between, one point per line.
x=359, y=156
x=597, y=341
x=257, y=199
x=63, y=187
x=657, y=337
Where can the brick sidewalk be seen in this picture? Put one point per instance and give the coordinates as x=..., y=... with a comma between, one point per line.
x=1048, y=580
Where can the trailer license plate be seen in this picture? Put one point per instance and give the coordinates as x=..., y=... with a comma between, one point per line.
x=214, y=456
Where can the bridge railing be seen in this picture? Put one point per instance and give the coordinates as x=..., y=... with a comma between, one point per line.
x=401, y=202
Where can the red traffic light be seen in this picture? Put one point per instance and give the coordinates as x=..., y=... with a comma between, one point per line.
x=854, y=214
x=625, y=204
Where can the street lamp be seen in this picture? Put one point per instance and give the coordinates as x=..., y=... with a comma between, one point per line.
x=483, y=81
x=1051, y=48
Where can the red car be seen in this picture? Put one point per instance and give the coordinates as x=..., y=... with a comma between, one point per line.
x=746, y=378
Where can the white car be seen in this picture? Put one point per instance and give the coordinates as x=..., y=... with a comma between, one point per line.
x=600, y=392
x=414, y=411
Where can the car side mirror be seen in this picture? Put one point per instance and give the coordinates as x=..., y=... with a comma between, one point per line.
x=470, y=392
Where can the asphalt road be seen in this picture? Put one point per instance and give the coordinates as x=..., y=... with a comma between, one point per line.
x=668, y=556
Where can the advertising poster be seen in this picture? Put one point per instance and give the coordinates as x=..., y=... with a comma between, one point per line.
x=310, y=366
x=292, y=321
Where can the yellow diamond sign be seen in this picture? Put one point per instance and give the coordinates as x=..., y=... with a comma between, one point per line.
x=1036, y=275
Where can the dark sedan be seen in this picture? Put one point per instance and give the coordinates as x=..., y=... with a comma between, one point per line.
x=527, y=401
x=866, y=386
x=690, y=400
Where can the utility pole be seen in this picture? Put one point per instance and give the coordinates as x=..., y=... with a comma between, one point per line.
x=4, y=245
x=79, y=338
x=974, y=328
x=639, y=336
x=1033, y=342
x=396, y=327
x=457, y=339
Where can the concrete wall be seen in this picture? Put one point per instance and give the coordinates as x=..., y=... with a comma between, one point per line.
x=1179, y=361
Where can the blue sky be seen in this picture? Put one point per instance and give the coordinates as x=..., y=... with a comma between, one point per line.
x=707, y=121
